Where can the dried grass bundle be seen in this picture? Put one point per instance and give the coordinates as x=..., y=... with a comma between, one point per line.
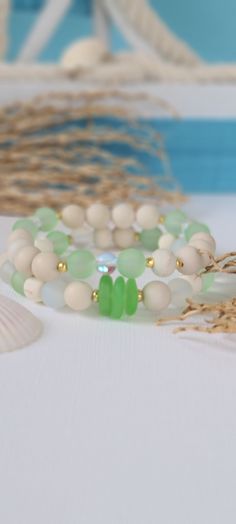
x=61, y=148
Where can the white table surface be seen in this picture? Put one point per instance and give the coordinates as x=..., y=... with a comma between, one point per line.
x=105, y=422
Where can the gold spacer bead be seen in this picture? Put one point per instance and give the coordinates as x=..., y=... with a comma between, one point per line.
x=59, y=215
x=162, y=219
x=95, y=295
x=137, y=236
x=140, y=295
x=62, y=267
x=150, y=262
x=70, y=239
x=179, y=263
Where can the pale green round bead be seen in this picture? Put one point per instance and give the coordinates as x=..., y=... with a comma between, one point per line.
x=59, y=240
x=131, y=263
x=81, y=264
x=52, y=294
x=174, y=220
x=195, y=227
x=207, y=281
x=149, y=238
x=17, y=282
x=48, y=218
x=27, y=224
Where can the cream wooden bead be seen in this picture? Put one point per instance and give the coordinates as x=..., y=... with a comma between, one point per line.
x=123, y=238
x=44, y=244
x=24, y=258
x=73, y=216
x=32, y=289
x=98, y=216
x=78, y=296
x=15, y=247
x=204, y=236
x=204, y=248
x=164, y=262
x=103, y=238
x=147, y=216
x=156, y=296
x=192, y=261
x=123, y=216
x=44, y=266
x=166, y=241
x=195, y=281
x=19, y=234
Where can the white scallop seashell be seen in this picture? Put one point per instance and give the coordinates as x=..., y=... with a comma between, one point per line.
x=84, y=53
x=18, y=327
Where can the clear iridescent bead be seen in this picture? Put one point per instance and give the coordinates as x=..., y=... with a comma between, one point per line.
x=106, y=263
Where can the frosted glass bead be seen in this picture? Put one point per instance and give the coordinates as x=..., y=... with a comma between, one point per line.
x=24, y=258
x=123, y=216
x=192, y=261
x=123, y=238
x=78, y=296
x=27, y=225
x=195, y=281
x=6, y=271
x=32, y=289
x=131, y=263
x=149, y=238
x=208, y=281
x=17, y=282
x=177, y=244
x=48, y=218
x=44, y=245
x=195, y=227
x=147, y=216
x=205, y=249
x=19, y=233
x=103, y=238
x=73, y=216
x=164, y=262
x=15, y=247
x=174, y=220
x=59, y=240
x=156, y=296
x=81, y=263
x=166, y=241
x=52, y=294
x=180, y=291
x=98, y=216
x=204, y=236
x=44, y=266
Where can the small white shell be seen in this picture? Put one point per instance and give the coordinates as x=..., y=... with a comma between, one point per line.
x=84, y=53
x=18, y=327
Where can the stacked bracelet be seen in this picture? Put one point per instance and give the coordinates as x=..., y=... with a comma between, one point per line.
x=48, y=269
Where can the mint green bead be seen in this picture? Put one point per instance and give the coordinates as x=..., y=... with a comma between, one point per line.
x=59, y=240
x=174, y=220
x=27, y=224
x=149, y=238
x=118, y=298
x=131, y=263
x=131, y=297
x=81, y=263
x=207, y=281
x=195, y=227
x=17, y=282
x=48, y=218
x=105, y=295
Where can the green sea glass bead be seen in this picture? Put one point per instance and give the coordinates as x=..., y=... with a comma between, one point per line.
x=27, y=224
x=59, y=240
x=149, y=238
x=131, y=263
x=131, y=297
x=81, y=263
x=118, y=298
x=105, y=295
x=195, y=227
x=207, y=281
x=48, y=218
x=174, y=220
x=17, y=282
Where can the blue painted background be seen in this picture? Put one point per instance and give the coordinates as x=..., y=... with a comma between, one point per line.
x=203, y=153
